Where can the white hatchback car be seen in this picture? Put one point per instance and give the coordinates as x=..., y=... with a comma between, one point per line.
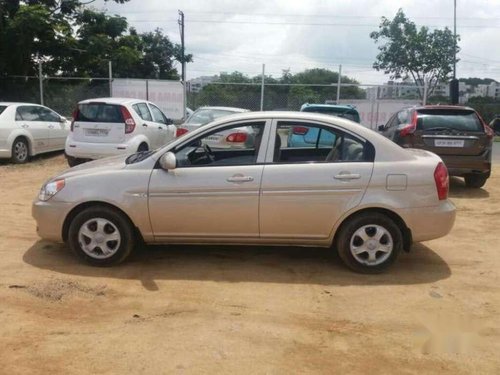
x=114, y=126
x=28, y=129
x=352, y=189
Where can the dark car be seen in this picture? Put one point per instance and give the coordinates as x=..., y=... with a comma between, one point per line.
x=495, y=124
x=457, y=134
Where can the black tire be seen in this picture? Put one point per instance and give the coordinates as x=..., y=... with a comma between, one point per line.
x=118, y=220
x=356, y=223
x=143, y=147
x=475, y=181
x=73, y=162
x=20, y=151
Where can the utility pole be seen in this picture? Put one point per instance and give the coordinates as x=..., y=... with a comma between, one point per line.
x=454, y=86
x=40, y=78
x=338, y=83
x=262, y=87
x=181, y=29
x=110, y=71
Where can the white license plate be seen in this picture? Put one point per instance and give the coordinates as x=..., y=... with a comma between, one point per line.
x=449, y=142
x=213, y=138
x=97, y=132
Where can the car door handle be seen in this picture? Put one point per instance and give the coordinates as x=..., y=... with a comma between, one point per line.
x=159, y=127
x=51, y=126
x=25, y=126
x=347, y=176
x=145, y=125
x=239, y=179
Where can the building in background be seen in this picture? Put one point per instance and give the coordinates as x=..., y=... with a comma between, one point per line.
x=196, y=84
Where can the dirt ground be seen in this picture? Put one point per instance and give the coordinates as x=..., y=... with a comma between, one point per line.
x=247, y=310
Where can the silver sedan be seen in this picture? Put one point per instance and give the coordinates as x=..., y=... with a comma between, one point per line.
x=351, y=189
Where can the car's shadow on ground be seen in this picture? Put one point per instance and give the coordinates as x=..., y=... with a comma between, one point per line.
x=459, y=190
x=292, y=265
x=34, y=159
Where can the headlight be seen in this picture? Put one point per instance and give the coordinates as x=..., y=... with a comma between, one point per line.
x=49, y=190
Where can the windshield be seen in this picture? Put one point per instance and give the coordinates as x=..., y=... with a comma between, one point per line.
x=449, y=119
x=204, y=116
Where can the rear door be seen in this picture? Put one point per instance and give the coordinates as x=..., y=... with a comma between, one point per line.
x=450, y=132
x=98, y=122
x=29, y=118
x=306, y=189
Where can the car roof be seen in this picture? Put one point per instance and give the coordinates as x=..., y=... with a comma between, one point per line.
x=232, y=109
x=19, y=103
x=112, y=100
x=444, y=106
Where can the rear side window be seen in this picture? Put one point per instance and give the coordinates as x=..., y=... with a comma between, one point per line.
x=2, y=108
x=452, y=119
x=142, y=110
x=99, y=112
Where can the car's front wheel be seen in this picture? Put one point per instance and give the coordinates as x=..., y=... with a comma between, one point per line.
x=102, y=236
x=369, y=242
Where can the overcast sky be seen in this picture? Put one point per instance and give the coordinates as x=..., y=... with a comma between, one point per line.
x=225, y=35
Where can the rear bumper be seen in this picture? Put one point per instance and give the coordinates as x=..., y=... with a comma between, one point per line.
x=459, y=165
x=428, y=223
x=86, y=150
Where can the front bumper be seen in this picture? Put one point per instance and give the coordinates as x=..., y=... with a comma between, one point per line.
x=49, y=217
x=428, y=223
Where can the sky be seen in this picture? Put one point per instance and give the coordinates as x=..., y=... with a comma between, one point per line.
x=225, y=35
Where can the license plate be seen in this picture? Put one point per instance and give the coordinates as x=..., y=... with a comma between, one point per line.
x=97, y=132
x=213, y=138
x=449, y=142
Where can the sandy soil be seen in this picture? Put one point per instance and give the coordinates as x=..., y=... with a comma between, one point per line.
x=247, y=310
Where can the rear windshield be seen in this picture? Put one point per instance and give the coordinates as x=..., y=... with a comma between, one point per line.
x=99, y=112
x=449, y=119
x=339, y=112
x=204, y=116
x=2, y=108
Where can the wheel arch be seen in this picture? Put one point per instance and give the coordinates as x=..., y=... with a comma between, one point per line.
x=25, y=135
x=82, y=206
x=405, y=231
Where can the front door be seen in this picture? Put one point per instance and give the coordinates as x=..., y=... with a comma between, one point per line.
x=314, y=174
x=213, y=192
x=58, y=130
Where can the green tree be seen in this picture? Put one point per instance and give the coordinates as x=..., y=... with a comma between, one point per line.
x=406, y=51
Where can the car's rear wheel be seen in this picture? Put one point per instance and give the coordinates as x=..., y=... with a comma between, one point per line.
x=101, y=236
x=475, y=181
x=20, y=151
x=369, y=242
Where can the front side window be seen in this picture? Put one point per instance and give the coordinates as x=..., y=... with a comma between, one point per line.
x=142, y=110
x=233, y=145
x=48, y=115
x=158, y=115
x=298, y=142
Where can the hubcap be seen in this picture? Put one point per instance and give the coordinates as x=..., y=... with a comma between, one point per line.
x=99, y=238
x=371, y=245
x=20, y=151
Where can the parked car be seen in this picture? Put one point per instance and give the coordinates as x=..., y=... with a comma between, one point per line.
x=302, y=136
x=362, y=194
x=495, y=124
x=28, y=129
x=205, y=115
x=114, y=126
x=457, y=134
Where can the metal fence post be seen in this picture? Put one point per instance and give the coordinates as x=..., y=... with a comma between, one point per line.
x=338, y=83
x=424, y=99
x=110, y=68
x=262, y=88
x=40, y=79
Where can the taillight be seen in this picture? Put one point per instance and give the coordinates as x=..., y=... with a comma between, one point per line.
x=129, y=120
x=411, y=127
x=442, y=181
x=180, y=131
x=75, y=115
x=237, y=137
x=300, y=130
x=489, y=131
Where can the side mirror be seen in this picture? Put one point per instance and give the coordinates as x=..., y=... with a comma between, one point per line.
x=63, y=119
x=168, y=161
x=381, y=128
